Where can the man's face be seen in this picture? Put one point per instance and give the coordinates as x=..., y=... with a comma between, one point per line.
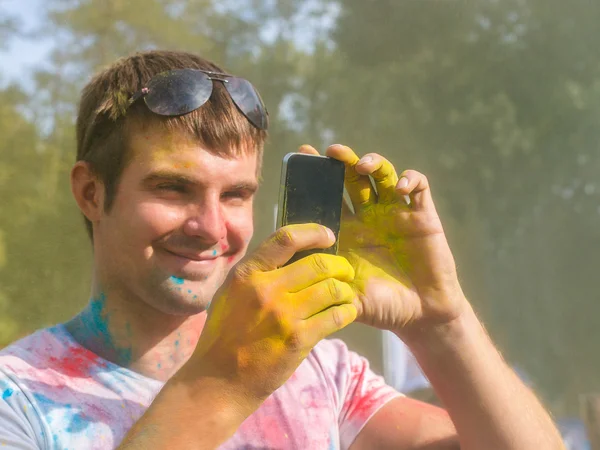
x=181, y=218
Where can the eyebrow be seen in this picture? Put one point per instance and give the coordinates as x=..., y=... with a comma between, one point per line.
x=180, y=178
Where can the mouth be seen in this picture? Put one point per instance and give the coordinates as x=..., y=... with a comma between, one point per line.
x=191, y=266
x=198, y=257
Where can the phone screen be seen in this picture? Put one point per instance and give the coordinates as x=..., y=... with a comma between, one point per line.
x=312, y=191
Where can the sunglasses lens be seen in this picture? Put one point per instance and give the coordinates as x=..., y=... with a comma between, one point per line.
x=178, y=92
x=248, y=101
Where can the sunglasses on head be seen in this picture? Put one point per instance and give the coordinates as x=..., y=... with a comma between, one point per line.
x=181, y=91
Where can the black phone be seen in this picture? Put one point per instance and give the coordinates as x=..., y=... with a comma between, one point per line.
x=311, y=191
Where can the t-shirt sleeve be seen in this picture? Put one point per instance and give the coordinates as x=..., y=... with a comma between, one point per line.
x=359, y=392
x=17, y=418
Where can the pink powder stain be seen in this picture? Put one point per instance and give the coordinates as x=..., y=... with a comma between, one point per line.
x=224, y=247
x=98, y=414
x=274, y=435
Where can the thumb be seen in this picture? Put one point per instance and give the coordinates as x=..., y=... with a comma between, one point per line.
x=278, y=248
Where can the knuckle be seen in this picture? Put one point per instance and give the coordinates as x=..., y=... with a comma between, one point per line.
x=319, y=263
x=334, y=288
x=283, y=238
x=242, y=271
x=263, y=293
x=295, y=340
x=337, y=318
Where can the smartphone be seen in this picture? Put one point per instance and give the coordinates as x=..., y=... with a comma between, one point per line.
x=311, y=191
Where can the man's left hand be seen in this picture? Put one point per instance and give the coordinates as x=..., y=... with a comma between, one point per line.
x=405, y=274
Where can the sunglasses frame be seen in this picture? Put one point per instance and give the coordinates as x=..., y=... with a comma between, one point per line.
x=212, y=77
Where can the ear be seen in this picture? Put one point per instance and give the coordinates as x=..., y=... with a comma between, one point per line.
x=87, y=190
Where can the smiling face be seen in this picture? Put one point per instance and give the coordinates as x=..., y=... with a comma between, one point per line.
x=182, y=217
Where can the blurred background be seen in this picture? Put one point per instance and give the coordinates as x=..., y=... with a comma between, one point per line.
x=498, y=102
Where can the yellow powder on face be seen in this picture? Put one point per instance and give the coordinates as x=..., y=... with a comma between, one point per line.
x=183, y=165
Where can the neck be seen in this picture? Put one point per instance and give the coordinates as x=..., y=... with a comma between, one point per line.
x=131, y=334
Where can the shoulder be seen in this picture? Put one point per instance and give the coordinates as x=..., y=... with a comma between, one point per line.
x=345, y=372
x=336, y=360
x=51, y=351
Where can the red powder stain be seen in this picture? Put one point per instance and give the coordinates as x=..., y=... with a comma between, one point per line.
x=360, y=409
x=77, y=364
x=360, y=406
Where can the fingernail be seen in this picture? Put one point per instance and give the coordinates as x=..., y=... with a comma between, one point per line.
x=331, y=235
x=365, y=160
x=402, y=183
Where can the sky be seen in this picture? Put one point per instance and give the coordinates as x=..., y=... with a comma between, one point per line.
x=21, y=54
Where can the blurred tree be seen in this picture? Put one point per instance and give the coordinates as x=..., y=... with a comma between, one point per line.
x=20, y=191
x=498, y=103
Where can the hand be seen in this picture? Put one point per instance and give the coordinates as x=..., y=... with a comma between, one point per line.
x=265, y=319
x=405, y=275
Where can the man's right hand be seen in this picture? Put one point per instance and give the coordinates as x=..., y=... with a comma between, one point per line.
x=266, y=318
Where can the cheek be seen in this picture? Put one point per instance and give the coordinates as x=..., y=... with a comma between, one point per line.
x=154, y=220
x=240, y=228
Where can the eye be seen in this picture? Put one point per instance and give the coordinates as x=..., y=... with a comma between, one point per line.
x=171, y=187
x=242, y=195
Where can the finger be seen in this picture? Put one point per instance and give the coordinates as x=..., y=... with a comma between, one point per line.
x=308, y=149
x=313, y=269
x=321, y=296
x=383, y=173
x=416, y=186
x=278, y=248
x=324, y=323
x=358, y=186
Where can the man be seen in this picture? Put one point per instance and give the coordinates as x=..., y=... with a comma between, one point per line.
x=185, y=345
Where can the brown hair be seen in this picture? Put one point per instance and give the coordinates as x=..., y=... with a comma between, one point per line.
x=106, y=119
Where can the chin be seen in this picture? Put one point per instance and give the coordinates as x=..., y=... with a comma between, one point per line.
x=181, y=298
x=181, y=305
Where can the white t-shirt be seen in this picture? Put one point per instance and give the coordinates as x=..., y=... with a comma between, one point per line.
x=58, y=395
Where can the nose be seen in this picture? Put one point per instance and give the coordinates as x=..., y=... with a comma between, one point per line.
x=206, y=221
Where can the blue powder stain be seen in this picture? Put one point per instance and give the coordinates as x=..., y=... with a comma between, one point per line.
x=78, y=423
x=159, y=365
x=97, y=322
x=177, y=280
x=195, y=297
x=7, y=393
x=214, y=253
x=45, y=402
x=189, y=291
x=176, y=343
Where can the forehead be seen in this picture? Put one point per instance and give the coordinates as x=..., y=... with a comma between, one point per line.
x=159, y=150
